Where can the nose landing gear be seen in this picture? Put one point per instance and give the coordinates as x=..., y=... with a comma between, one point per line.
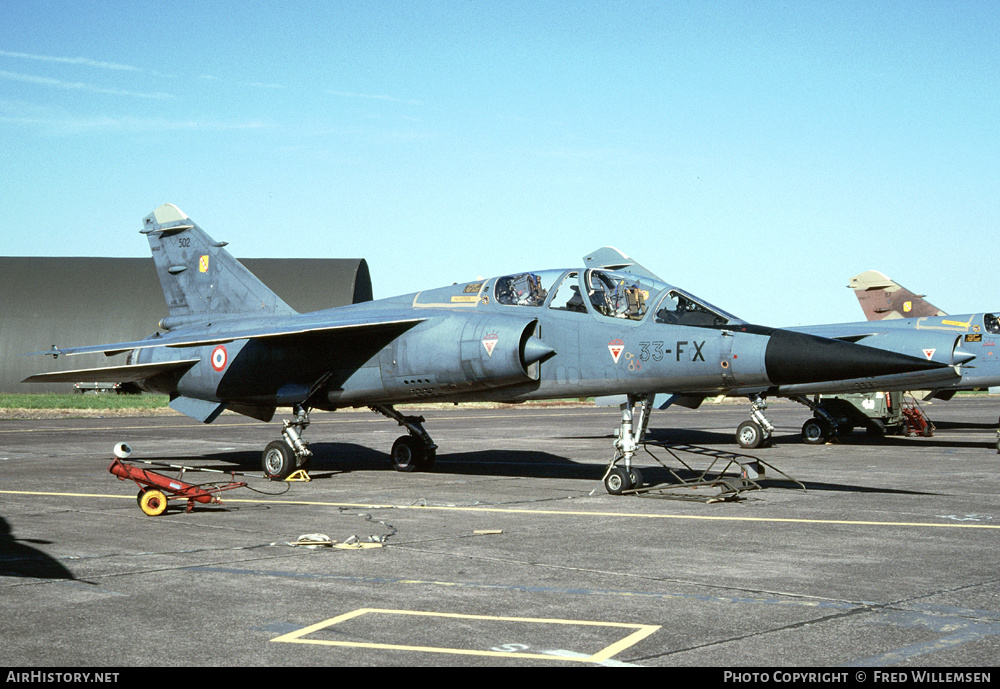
x=618, y=479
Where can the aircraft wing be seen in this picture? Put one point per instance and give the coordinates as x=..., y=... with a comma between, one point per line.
x=220, y=335
x=112, y=374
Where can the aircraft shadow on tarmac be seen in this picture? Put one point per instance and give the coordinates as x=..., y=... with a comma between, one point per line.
x=914, y=443
x=695, y=437
x=856, y=439
x=331, y=459
x=20, y=560
x=967, y=425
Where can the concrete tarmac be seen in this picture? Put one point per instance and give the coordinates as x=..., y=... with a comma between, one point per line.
x=509, y=553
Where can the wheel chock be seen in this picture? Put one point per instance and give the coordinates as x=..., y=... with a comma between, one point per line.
x=299, y=475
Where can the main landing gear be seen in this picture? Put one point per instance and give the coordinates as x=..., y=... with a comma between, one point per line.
x=282, y=457
x=758, y=430
x=621, y=475
x=413, y=452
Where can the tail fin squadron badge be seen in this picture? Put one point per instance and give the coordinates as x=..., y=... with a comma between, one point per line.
x=203, y=264
x=616, y=347
x=490, y=341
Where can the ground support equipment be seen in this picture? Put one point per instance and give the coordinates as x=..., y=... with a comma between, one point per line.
x=729, y=473
x=879, y=413
x=915, y=420
x=155, y=489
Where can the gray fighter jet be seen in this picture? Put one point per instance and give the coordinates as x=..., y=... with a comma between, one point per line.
x=896, y=314
x=890, y=306
x=901, y=321
x=609, y=327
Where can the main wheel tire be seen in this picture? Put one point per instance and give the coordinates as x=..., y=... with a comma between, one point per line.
x=277, y=460
x=635, y=476
x=408, y=454
x=750, y=435
x=153, y=502
x=617, y=481
x=815, y=431
x=427, y=462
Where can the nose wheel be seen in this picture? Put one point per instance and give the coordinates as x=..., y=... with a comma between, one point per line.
x=621, y=475
x=618, y=480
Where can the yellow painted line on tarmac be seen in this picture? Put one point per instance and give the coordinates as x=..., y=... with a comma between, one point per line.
x=67, y=495
x=11, y=431
x=642, y=631
x=559, y=513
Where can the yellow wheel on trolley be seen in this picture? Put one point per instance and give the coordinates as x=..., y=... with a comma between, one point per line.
x=153, y=502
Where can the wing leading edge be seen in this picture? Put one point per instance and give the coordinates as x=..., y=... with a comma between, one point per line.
x=219, y=336
x=130, y=373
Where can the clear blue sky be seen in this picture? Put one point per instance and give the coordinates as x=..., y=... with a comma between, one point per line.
x=756, y=153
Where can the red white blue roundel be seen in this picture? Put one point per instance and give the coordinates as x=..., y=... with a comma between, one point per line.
x=219, y=358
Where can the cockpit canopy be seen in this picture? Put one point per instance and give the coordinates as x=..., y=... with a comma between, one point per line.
x=609, y=294
x=680, y=308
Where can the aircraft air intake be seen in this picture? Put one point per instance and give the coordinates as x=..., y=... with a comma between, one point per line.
x=456, y=356
x=499, y=351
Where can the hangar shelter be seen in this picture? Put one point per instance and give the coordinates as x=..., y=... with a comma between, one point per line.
x=81, y=301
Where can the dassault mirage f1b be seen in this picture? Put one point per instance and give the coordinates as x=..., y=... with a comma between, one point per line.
x=609, y=327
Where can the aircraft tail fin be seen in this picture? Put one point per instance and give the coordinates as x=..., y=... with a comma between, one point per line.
x=882, y=298
x=199, y=277
x=614, y=259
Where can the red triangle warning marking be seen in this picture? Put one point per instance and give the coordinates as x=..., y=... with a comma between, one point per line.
x=616, y=347
x=490, y=341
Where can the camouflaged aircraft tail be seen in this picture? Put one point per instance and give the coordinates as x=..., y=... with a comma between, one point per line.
x=883, y=299
x=199, y=277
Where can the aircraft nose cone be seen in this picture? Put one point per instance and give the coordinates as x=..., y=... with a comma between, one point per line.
x=792, y=358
